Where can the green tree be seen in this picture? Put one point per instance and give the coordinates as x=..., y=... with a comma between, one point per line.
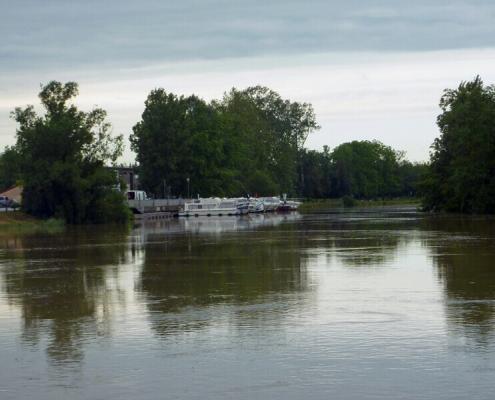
x=365, y=169
x=179, y=138
x=248, y=142
x=10, y=165
x=411, y=175
x=269, y=132
x=63, y=155
x=461, y=176
x=317, y=173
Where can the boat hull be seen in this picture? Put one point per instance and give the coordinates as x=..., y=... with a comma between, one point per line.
x=217, y=212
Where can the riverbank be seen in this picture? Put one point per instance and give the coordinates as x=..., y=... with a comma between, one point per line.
x=18, y=221
x=322, y=204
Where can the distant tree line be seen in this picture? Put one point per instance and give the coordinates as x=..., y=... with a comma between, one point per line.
x=251, y=142
x=359, y=169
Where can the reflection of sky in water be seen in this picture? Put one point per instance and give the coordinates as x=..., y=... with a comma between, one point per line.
x=343, y=305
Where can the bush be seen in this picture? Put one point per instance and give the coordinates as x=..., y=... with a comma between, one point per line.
x=348, y=201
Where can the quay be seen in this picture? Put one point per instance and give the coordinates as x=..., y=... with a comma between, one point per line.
x=154, y=216
x=169, y=207
x=145, y=208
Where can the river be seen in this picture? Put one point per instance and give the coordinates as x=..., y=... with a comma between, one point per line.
x=382, y=303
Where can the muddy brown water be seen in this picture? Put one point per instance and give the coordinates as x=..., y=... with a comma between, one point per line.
x=379, y=303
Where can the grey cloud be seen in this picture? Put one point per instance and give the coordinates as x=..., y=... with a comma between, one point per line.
x=57, y=33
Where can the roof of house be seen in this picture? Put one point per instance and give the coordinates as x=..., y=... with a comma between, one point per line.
x=14, y=193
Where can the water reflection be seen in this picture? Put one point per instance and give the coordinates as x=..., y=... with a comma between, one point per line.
x=463, y=251
x=70, y=288
x=355, y=299
x=198, y=272
x=362, y=238
x=59, y=284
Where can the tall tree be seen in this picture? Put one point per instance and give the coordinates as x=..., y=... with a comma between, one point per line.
x=461, y=176
x=179, y=139
x=248, y=142
x=365, y=169
x=273, y=131
x=317, y=173
x=63, y=155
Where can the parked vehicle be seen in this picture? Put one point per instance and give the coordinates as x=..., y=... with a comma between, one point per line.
x=6, y=202
x=136, y=195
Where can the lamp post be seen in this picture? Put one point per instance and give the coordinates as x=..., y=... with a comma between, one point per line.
x=187, y=180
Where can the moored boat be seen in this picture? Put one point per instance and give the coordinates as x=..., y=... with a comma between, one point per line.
x=288, y=205
x=270, y=203
x=256, y=205
x=242, y=205
x=210, y=207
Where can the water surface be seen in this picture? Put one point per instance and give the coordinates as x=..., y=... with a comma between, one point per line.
x=370, y=304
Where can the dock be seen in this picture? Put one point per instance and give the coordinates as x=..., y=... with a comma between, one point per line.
x=155, y=207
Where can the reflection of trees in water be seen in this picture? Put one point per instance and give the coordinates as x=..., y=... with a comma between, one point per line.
x=241, y=269
x=360, y=242
x=463, y=251
x=58, y=282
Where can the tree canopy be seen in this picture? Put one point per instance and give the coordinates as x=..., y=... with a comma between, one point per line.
x=10, y=173
x=461, y=177
x=247, y=142
x=62, y=156
x=359, y=169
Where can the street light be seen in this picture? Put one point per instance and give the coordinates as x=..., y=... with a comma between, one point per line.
x=187, y=179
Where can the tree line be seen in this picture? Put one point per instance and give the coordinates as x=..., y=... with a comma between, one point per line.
x=250, y=141
x=359, y=169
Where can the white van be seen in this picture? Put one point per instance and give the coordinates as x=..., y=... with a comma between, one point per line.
x=136, y=195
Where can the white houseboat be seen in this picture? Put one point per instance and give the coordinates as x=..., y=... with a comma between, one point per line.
x=256, y=205
x=210, y=207
x=270, y=203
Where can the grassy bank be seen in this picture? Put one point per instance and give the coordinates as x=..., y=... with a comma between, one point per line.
x=17, y=221
x=322, y=204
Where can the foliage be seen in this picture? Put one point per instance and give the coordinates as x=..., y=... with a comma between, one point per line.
x=348, y=201
x=62, y=156
x=366, y=169
x=359, y=169
x=248, y=142
x=179, y=138
x=9, y=168
x=411, y=176
x=251, y=142
x=461, y=177
x=316, y=174
x=272, y=132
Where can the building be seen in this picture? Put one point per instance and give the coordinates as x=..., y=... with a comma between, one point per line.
x=129, y=176
x=14, y=193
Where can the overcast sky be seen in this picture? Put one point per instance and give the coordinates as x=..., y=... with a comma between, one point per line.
x=372, y=69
